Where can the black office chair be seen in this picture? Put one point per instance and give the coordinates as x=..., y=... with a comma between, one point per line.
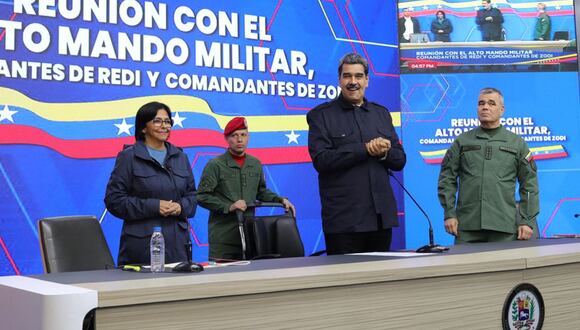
x=273, y=236
x=561, y=35
x=73, y=243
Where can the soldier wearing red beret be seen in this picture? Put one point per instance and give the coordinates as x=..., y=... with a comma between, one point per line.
x=228, y=183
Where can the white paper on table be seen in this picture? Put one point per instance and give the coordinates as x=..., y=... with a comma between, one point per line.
x=390, y=254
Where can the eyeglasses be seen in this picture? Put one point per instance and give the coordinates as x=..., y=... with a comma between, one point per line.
x=158, y=122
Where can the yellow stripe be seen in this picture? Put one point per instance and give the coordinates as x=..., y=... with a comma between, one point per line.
x=442, y=152
x=126, y=108
x=433, y=153
x=548, y=148
x=548, y=59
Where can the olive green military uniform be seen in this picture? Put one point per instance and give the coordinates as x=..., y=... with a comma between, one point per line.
x=223, y=183
x=542, y=29
x=479, y=172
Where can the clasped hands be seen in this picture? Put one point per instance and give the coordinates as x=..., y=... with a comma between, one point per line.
x=378, y=146
x=169, y=208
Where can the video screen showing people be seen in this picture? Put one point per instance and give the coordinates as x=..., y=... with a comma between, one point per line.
x=488, y=35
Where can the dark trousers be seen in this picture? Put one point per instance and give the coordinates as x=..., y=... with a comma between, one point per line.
x=374, y=241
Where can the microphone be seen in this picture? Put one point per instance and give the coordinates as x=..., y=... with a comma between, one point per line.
x=431, y=247
x=188, y=266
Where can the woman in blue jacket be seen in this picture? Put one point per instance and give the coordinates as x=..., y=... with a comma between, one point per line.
x=441, y=27
x=152, y=185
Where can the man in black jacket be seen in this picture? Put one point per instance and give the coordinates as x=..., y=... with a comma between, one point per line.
x=490, y=21
x=353, y=145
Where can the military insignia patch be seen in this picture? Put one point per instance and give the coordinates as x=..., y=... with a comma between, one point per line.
x=530, y=159
x=533, y=165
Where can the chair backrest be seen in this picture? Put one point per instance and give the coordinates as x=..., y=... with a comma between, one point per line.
x=561, y=35
x=273, y=236
x=73, y=243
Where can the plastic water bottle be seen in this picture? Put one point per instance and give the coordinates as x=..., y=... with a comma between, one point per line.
x=157, y=251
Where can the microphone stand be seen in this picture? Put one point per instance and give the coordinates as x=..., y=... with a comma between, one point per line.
x=431, y=247
x=188, y=266
x=240, y=216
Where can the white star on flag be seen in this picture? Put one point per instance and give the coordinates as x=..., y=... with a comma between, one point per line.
x=7, y=114
x=439, y=6
x=124, y=127
x=178, y=121
x=292, y=137
x=558, y=7
x=425, y=7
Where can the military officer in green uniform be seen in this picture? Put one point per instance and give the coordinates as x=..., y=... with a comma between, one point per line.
x=543, y=24
x=230, y=182
x=478, y=177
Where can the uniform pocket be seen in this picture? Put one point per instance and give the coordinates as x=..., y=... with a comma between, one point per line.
x=144, y=181
x=506, y=162
x=469, y=157
x=181, y=177
x=342, y=138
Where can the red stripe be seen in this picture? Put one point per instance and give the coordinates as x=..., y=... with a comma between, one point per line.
x=109, y=148
x=550, y=156
x=12, y=17
x=433, y=160
x=196, y=239
x=16, y=270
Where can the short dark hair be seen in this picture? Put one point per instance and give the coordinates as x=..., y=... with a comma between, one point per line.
x=491, y=90
x=145, y=114
x=440, y=11
x=353, y=58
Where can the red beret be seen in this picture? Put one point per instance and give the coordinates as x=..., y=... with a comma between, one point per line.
x=235, y=124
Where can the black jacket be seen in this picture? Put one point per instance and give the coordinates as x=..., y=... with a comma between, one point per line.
x=136, y=186
x=444, y=26
x=354, y=187
x=490, y=30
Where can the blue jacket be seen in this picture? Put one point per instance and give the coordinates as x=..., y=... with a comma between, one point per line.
x=136, y=186
x=445, y=26
x=354, y=187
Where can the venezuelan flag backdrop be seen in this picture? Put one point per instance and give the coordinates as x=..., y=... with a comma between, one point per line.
x=72, y=76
